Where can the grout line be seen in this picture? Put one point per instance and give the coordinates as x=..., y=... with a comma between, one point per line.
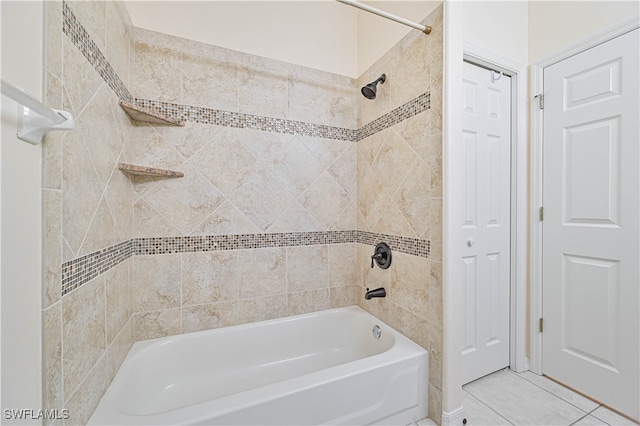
x=486, y=405
x=550, y=392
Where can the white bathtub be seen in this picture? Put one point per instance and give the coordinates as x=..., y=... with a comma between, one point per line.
x=320, y=368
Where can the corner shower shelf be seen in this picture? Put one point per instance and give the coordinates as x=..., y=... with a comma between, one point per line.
x=148, y=116
x=148, y=171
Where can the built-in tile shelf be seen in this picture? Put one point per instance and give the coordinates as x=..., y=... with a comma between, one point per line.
x=145, y=115
x=133, y=169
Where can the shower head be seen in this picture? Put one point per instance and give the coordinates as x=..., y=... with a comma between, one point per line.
x=369, y=91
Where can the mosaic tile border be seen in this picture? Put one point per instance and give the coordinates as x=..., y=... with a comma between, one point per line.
x=397, y=115
x=204, y=115
x=79, y=271
x=166, y=245
x=83, y=41
x=83, y=269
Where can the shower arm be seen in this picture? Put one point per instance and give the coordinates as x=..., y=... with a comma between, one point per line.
x=424, y=28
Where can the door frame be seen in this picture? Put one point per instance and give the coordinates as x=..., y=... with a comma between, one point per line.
x=537, y=132
x=518, y=274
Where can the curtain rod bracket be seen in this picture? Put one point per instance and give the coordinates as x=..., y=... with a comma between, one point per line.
x=32, y=126
x=425, y=29
x=34, y=118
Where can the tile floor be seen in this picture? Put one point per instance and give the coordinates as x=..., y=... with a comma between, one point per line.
x=509, y=398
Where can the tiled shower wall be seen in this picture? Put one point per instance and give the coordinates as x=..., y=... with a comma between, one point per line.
x=241, y=178
x=88, y=204
x=400, y=193
x=267, y=221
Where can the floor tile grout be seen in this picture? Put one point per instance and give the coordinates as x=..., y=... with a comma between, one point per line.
x=489, y=407
x=557, y=396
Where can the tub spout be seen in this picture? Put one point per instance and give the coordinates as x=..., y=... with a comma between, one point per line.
x=378, y=292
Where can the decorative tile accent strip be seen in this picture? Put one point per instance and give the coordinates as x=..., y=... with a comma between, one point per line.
x=165, y=245
x=218, y=117
x=403, y=112
x=83, y=269
x=408, y=245
x=82, y=40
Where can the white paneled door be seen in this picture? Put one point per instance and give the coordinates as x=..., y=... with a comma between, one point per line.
x=591, y=235
x=486, y=227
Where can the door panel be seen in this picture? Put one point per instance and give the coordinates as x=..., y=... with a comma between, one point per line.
x=591, y=232
x=487, y=220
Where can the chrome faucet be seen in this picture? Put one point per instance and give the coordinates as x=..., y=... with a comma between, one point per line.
x=378, y=292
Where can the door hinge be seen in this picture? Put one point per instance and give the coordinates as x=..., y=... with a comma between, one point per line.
x=540, y=101
x=541, y=213
x=541, y=327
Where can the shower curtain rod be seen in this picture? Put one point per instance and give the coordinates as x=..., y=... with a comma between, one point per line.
x=425, y=29
x=32, y=127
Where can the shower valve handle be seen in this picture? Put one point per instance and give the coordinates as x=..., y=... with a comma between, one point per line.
x=376, y=256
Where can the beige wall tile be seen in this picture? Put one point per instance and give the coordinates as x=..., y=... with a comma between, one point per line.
x=156, y=69
x=83, y=332
x=155, y=282
x=85, y=399
x=52, y=246
x=187, y=201
x=225, y=161
x=343, y=107
x=118, y=34
x=52, y=141
x=344, y=170
x=296, y=219
x=308, y=101
x=435, y=293
x=343, y=267
x=307, y=268
x=292, y=164
x=205, y=317
x=102, y=231
x=53, y=392
x=53, y=36
x=151, y=149
x=410, y=276
x=393, y=222
x=149, y=223
x=262, y=308
x=119, y=198
x=262, y=272
x=325, y=150
x=150, y=325
x=81, y=81
x=344, y=296
x=117, y=352
x=81, y=189
x=210, y=83
x=118, y=301
x=96, y=122
x=226, y=219
x=303, y=302
x=262, y=199
x=325, y=199
x=209, y=277
x=262, y=92
x=413, y=197
x=92, y=16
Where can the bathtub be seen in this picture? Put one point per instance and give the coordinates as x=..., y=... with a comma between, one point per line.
x=326, y=367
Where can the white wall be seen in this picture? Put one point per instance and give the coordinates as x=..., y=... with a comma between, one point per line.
x=557, y=25
x=498, y=26
x=316, y=34
x=376, y=35
x=20, y=288
x=321, y=34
